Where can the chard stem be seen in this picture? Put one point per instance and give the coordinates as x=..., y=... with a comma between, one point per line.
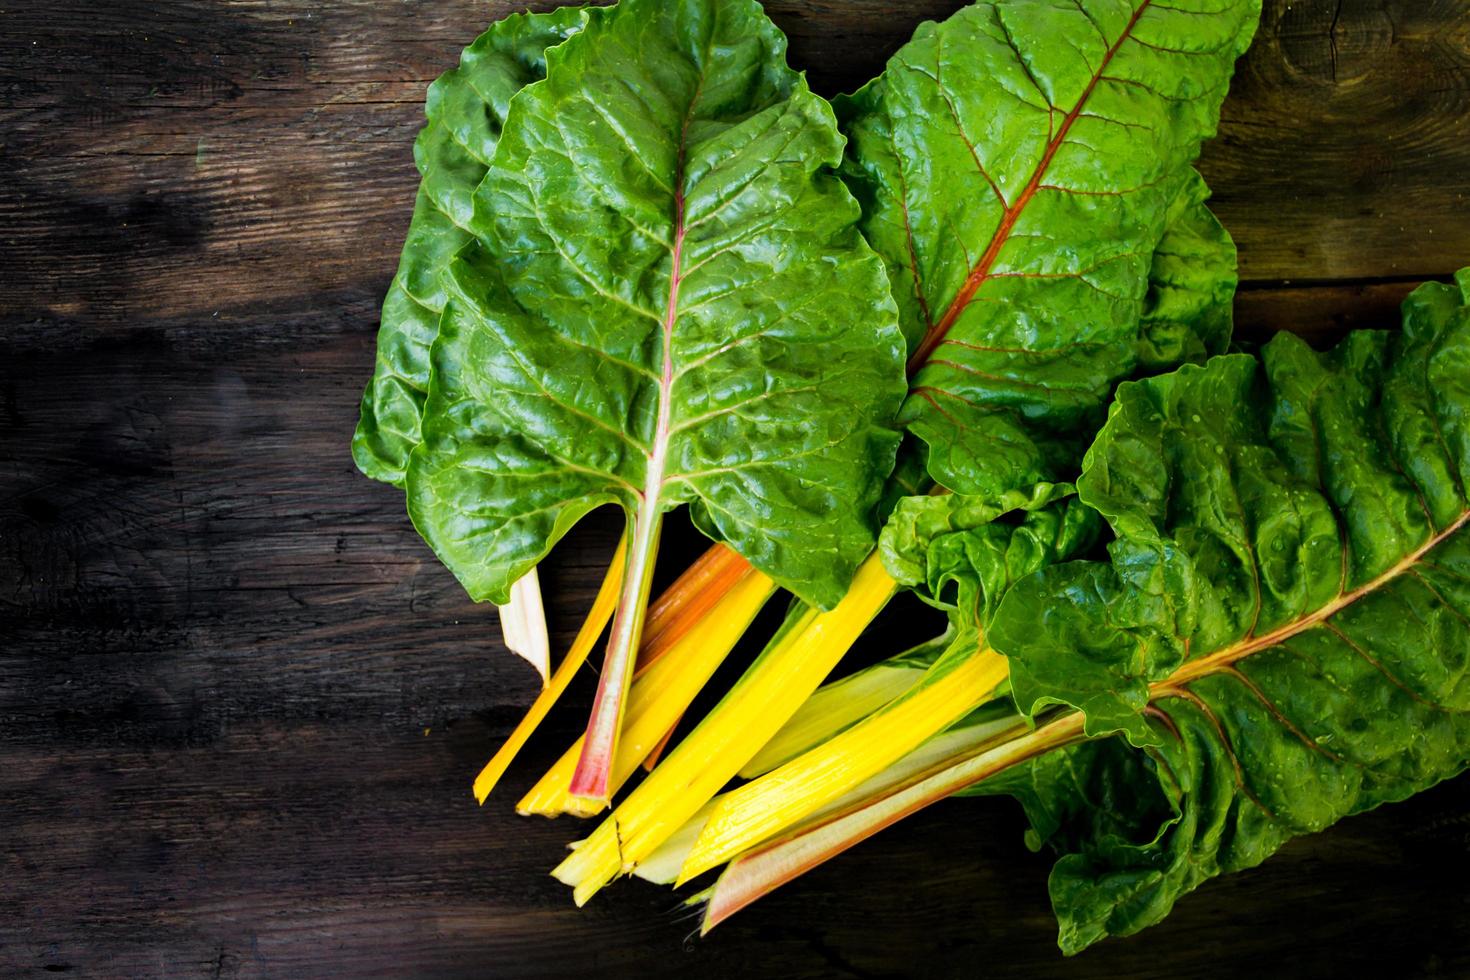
x=680, y=609
x=711, y=575
x=523, y=624
x=594, y=768
x=952, y=687
x=689, y=600
x=760, y=871
x=982, y=728
x=660, y=694
x=784, y=676
x=840, y=704
x=716, y=569
x=710, y=579
x=663, y=743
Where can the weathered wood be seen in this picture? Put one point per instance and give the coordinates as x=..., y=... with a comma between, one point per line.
x=1344, y=145
x=1322, y=312
x=240, y=703
x=163, y=159
x=348, y=849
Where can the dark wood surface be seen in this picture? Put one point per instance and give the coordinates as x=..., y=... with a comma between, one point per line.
x=240, y=703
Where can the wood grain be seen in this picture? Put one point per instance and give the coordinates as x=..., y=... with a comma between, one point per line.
x=1344, y=143
x=240, y=703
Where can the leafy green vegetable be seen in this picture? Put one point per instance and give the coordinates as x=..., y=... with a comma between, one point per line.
x=670, y=302
x=1188, y=312
x=466, y=108
x=1017, y=165
x=1282, y=635
x=638, y=282
x=953, y=550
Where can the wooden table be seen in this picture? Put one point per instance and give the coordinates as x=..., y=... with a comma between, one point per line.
x=240, y=703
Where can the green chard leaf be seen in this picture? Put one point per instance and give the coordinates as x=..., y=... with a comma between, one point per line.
x=1018, y=165
x=1282, y=635
x=1188, y=311
x=466, y=108
x=961, y=553
x=933, y=542
x=670, y=303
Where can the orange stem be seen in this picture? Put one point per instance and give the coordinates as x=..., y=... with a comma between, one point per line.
x=663, y=743
x=689, y=598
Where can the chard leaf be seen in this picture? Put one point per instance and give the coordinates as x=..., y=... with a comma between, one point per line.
x=1282, y=635
x=781, y=353
x=1188, y=311
x=958, y=554
x=466, y=108
x=933, y=542
x=1016, y=165
x=670, y=303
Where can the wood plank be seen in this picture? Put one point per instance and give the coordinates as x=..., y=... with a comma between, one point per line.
x=167, y=156
x=1322, y=312
x=250, y=857
x=1344, y=148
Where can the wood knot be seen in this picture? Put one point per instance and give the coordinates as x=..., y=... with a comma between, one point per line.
x=1331, y=42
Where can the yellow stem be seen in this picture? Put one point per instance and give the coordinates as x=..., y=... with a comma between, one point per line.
x=765, y=868
x=783, y=797
x=689, y=600
x=597, y=617
x=773, y=688
x=658, y=697
x=832, y=709
x=941, y=751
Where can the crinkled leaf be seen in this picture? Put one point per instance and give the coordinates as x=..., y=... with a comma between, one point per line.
x=1188, y=310
x=958, y=554
x=1282, y=635
x=931, y=541
x=1016, y=166
x=673, y=303
x=466, y=108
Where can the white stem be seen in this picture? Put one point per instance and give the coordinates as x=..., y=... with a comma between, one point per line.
x=523, y=625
